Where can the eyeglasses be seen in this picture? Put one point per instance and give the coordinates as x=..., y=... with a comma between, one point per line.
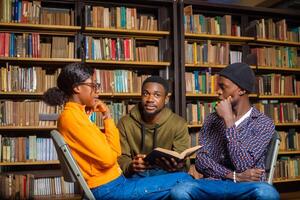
x=95, y=86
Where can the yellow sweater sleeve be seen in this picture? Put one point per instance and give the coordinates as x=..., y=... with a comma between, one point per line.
x=112, y=135
x=89, y=142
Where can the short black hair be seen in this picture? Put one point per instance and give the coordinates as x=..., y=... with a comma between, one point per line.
x=157, y=79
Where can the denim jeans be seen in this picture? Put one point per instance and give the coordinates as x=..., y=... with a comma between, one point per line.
x=153, y=187
x=149, y=172
x=224, y=189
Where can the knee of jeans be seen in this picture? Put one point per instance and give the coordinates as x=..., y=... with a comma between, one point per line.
x=183, y=191
x=265, y=191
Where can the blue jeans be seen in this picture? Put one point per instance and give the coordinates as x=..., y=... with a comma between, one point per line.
x=149, y=172
x=154, y=187
x=224, y=189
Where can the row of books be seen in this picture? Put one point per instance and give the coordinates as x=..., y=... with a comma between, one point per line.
x=22, y=149
x=120, y=81
x=13, y=186
x=197, y=112
x=119, y=49
x=210, y=52
x=194, y=138
x=27, y=113
x=280, y=112
x=32, y=12
x=16, y=186
x=278, y=56
x=287, y=168
x=290, y=140
x=118, y=18
x=201, y=82
x=31, y=45
x=26, y=79
x=53, y=186
x=225, y=25
x=277, y=84
x=268, y=29
x=207, y=52
x=216, y=25
x=36, y=79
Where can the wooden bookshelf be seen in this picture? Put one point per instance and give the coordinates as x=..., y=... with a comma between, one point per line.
x=219, y=37
x=32, y=94
x=213, y=66
x=170, y=39
x=128, y=32
x=286, y=180
x=41, y=60
x=278, y=97
x=289, y=152
x=283, y=69
x=191, y=43
x=195, y=95
x=276, y=42
x=129, y=63
x=50, y=162
x=194, y=125
x=205, y=66
x=288, y=124
x=120, y=95
x=45, y=40
x=59, y=197
x=201, y=95
x=27, y=127
x=55, y=28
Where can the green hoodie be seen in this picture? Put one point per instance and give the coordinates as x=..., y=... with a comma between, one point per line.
x=170, y=132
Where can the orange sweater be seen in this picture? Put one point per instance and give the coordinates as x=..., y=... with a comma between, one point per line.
x=95, y=152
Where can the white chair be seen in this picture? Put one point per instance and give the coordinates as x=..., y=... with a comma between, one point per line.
x=71, y=171
x=271, y=157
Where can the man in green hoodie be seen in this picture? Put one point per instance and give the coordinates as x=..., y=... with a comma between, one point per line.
x=151, y=124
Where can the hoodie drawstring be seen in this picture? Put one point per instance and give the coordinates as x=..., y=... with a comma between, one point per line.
x=143, y=138
x=154, y=136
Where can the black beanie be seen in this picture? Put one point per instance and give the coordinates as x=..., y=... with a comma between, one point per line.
x=157, y=79
x=241, y=74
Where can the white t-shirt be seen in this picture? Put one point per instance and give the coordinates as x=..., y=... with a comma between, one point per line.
x=247, y=114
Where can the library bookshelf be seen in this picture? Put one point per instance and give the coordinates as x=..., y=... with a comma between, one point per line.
x=37, y=38
x=156, y=41
x=215, y=35
x=44, y=38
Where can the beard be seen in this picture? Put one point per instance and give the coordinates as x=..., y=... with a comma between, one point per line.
x=152, y=114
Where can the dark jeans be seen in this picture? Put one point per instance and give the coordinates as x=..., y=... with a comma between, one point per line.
x=153, y=187
x=224, y=189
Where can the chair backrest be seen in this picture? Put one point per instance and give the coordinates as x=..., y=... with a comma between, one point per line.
x=271, y=157
x=71, y=171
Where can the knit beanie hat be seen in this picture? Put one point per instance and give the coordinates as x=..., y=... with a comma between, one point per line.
x=241, y=74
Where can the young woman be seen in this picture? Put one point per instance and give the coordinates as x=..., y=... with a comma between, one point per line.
x=96, y=152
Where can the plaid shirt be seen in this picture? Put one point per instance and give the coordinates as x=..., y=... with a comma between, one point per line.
x=233, y=149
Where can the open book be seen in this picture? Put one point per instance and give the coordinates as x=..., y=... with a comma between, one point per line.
x=168, y=154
